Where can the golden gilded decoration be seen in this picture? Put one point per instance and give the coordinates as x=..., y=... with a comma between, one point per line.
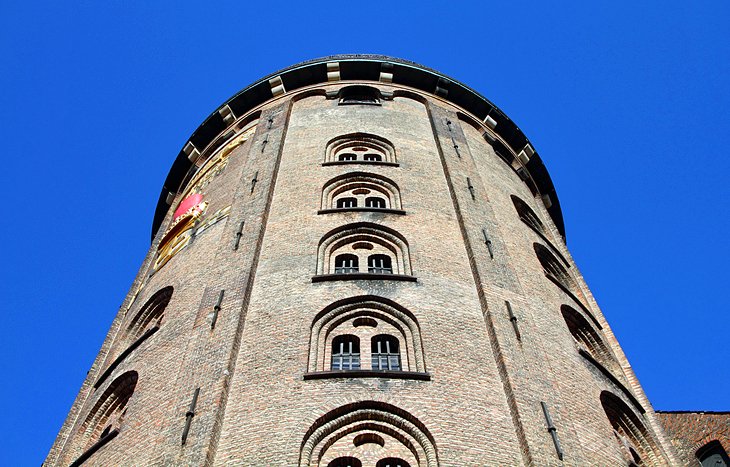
x=213, y=219
x=178, y=234
x=217, y=163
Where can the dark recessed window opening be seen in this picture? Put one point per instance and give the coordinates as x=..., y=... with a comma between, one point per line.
x=385, y=353
x=360, y=95
x=374, y=202
x=345, y=462
x=348, y=202
x=346, y=353
x=348, y=156
x=392, y=462
x=346, y=264
x=380, y=264
x=372, y=157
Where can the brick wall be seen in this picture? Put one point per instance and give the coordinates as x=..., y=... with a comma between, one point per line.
x=690, y=431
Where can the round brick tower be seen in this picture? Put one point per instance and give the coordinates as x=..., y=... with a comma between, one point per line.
x=358, y=261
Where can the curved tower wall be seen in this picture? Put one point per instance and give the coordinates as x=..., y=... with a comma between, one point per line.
x=227, y=348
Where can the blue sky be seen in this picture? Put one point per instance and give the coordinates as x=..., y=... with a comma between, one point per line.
x=627, y=103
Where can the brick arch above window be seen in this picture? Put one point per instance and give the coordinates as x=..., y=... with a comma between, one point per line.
x=331, y=435
x=151, y=313
x=527, y=215
x=361, y=186
x=105, y=418
x=558, y=274
x=634, y=440
x=588, y=339
x=367, y=317
x=364, y=240
x=360, y=148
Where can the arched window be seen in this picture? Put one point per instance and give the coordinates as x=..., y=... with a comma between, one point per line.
x=372, y=157
x=346, y=264
x=556, y=272
x=374, y=202
x=107, y=415
x=150, y=314
x=385, y=353
x=366, y=318
x=347, y=202
x=345, y=353
x=361, y=190
x=331, y=435
x=392, y=462
x=633, y=439
x=712, y=454
x=363, y=240
x=527, y=215
x=364, y=95
x=345, y=462
x=380, y=264
x=587, y=338
x=360, y=148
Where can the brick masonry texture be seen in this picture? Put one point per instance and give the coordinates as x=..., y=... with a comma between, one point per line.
x=690, y=431
x=479, y=403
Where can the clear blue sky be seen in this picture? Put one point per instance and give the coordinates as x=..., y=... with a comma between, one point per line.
x=627, y=103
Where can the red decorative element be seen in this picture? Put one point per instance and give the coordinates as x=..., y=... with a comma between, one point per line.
x=188, y=203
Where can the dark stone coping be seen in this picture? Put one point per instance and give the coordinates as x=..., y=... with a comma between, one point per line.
x=98, y=445
x=383, y=210
x=607, y=373
x=110, y=369
x=364, y=276
x=368, y=374
x=389, y=164
x=362, y=68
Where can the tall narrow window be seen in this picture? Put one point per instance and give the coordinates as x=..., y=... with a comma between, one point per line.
x=392, y=462
x=380, y=264
x=346, y=353
x=385, y=353
x=374, y=202
x=346, y=264
x=345, y=462
x=348, y=202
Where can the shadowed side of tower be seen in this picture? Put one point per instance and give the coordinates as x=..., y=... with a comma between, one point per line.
x=358, y=261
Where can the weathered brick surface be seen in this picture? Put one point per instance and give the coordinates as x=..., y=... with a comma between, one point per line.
x=481, y=404
x=690, y=431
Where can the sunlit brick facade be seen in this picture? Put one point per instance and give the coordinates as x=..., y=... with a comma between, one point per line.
x=358, y=261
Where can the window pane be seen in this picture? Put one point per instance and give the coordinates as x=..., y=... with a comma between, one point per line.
x=345, y=353
x=346, y=264
x=385, y=353
x=375, y=202
x=346, y=203
x=380, y=264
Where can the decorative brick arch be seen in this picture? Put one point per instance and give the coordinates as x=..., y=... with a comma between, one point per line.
x=631, y=434
x=150, y=314
x=363, y=239
x=360, y=144
x=380, y=418
x=588, y=338
x=380, y=310
x=361, y=185
x=527, y=215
